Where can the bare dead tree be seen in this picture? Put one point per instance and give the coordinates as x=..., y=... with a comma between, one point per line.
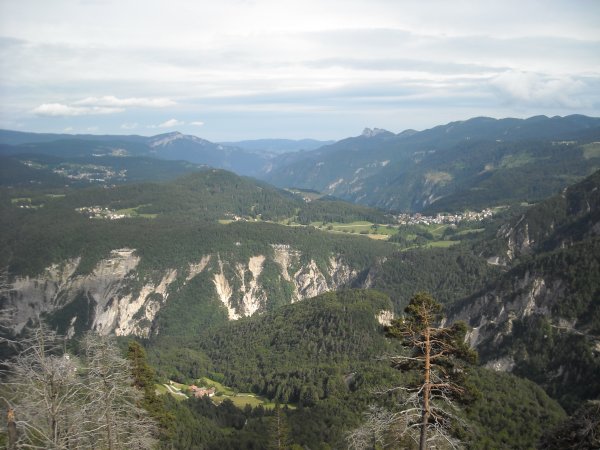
x=112, y=403
x=44, y=391
x=58, y=401
x=6, y=313
x=426, y=410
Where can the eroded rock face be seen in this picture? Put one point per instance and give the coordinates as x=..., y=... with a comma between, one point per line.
x=30, y=297
x=385, y=317
x=117, y=299
x=110, y=307
x=491, y=314
x=308, y=280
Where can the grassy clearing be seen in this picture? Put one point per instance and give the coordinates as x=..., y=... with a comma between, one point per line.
x=134, y=212
x=438, y=177
x=441, y=244
x=220, y=388
x=469, y=231
x=591, y=150
x=363, y=228
x=239, y=399
x=20, y=200
x=369, y=229
x=512, y=161
x=160, y=389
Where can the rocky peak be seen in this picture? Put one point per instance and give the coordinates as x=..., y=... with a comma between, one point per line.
x=163, y=140
x=372, y=132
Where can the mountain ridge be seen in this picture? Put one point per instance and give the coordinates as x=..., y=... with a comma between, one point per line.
x=433, y=169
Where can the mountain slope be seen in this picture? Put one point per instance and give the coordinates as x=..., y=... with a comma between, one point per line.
x=473, y=164
x=327, y=355
x=277, y=146
x=542, y=318
x=169, y=146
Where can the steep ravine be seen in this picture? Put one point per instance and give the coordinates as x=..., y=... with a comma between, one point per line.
x=541, y=321
x=116, y=297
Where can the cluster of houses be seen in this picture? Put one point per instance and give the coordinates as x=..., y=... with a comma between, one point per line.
x=418, y=219
x=98, y=174
x=98, y=212
x=200, y=392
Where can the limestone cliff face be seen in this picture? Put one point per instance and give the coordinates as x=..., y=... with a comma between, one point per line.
x=106, y=292
x=116, y=298
x=243, y=293
x=517, y=239
x=491, y=314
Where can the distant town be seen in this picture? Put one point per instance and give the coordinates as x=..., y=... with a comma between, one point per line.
x=98, y=212
x=419, y=219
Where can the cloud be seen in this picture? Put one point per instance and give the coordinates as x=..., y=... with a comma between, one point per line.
x=197, y=123
x=171, y=123
x=108, y=104
x=532, y=89
x=112, y=101
x=62, y=110
x=129, y=126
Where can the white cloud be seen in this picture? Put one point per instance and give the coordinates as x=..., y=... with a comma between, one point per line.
x=100, y=105
x=112, y=101
x=93, y=128
x=171, y=123
x=129, y=126
x=197, y=123
x=62, y=110
x=532, y=89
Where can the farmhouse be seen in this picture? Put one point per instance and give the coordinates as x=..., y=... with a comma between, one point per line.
x=202, y=391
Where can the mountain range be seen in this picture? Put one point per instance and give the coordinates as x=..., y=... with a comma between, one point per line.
x=476, y=163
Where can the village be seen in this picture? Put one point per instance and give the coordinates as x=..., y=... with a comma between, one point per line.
x=440, y=219
x=98, y=212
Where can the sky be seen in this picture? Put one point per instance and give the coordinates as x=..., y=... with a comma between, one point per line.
x=229, y=70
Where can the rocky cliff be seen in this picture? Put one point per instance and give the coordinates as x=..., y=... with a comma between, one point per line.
x=117, y=297
x=541, y=320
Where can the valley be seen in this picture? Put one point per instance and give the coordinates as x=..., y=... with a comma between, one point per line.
x=280, y=299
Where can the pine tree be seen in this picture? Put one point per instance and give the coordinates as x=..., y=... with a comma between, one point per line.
x=438, y=354
x=143, y=379
x=279, y=430
x=439, y=357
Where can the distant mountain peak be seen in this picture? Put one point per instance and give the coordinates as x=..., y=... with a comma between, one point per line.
x=163, y=140
x=406, y=133
x=372, y=132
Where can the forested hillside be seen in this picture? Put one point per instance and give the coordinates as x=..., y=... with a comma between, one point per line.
x=327, y=357
x=541, y=319
x=477, y=163
x=205, y=247
x=72, y=149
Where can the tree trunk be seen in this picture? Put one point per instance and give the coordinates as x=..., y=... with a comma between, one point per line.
x=426, y=390
x=12, y=429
